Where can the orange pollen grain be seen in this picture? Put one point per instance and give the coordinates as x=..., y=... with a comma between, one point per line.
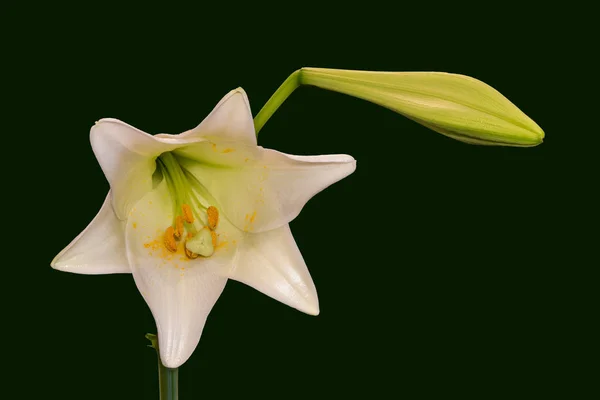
x=169, y=239
x=213, y=235
x=178, y=227
x=187, y=213
x=213, y=217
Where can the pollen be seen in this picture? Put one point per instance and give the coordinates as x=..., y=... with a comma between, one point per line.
x=178, y=233
x=213, y=217
x=169, y=239
x=187, y=213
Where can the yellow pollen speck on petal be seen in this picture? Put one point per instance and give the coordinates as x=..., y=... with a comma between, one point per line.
x=169, y=239
x=252, y=217
x=134, y=225
x=187, y=213
x=214, y=146
x=153, y=245
x=213, y=217
x=178, y=227
x=228, y=150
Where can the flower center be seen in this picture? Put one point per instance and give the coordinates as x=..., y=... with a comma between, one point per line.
x=194, y=221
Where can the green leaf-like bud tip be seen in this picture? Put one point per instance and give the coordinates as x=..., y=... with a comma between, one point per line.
x=153, y=339
x=457, y=106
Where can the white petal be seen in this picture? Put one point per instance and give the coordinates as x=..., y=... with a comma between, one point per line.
x=260, y=189
x=231, y=119
x=180, y=292
x=271, y=263
x=99, y=249
x=127, y=157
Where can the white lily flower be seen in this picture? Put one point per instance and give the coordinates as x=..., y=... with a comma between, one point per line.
x=187, y=212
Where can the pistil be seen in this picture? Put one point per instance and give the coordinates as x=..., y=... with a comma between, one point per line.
x=189, y=212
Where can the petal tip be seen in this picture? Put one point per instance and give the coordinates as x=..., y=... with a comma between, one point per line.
x=102, y=121
x=309, y=306
x=313, y=311
x=59, y=263
x=55, y=263
x=174, y=352
x=170, y=362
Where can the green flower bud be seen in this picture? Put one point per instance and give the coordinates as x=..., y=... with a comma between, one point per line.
x=457, y=106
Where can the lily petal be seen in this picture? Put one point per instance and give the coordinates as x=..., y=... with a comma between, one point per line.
x=261, y=189
x=127, y=158
x=271, y=263
x=231, y=119
x=98, y=249
x=180, y=292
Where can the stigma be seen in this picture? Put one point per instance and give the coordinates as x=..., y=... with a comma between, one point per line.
x=195, y=222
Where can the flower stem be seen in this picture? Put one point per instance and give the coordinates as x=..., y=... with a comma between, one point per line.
x=324, y=78
x=287, y=87
x=167, y=377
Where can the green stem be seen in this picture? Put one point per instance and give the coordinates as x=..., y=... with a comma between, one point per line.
x=324, y=78
x=168, y=382
x=287, y=87
x=168, y=378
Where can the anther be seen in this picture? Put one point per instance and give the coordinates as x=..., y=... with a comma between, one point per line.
x=178, y=233
x=187, y=213
x=213, y=217
x=169, y=239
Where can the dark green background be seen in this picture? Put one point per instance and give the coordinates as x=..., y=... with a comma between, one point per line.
x=442, y=268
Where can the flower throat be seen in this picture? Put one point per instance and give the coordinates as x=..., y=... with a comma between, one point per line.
x=194, y=224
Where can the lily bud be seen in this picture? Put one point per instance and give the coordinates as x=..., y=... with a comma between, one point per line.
x=457, y=106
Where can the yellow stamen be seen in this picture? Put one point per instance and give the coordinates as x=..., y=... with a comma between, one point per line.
x=213, y=217
x=169, y=239
x=213, y=235
x=178, y=233
x=187, y=213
